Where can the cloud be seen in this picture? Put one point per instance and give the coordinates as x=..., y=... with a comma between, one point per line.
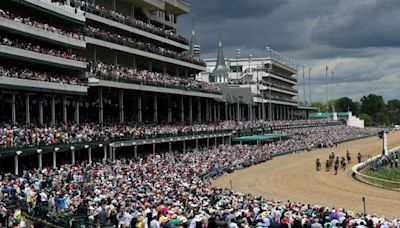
x=359, y=40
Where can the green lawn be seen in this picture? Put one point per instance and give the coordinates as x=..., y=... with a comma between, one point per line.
x=386, y=174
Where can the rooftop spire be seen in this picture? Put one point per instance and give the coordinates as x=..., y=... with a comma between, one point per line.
x=194, y=47
x=221, y=66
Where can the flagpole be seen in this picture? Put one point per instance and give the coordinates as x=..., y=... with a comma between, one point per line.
x=309, y=82
x=304, y=89
x=333, y=96
x=327, y=88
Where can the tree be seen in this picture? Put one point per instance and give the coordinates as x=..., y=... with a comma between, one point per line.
x=367, y=119
x=345, y=104
x=372, y=105
x=321, y=107
x=393, y=108
x=381, y=118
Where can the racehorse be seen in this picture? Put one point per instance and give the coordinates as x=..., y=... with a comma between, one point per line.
x=318, y=164
x=348, y=157
x=328, y=165
x=343, y=163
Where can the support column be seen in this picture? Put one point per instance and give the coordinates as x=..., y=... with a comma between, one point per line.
x=73, y=156
x=110, y=152
x=13, y=109
x=121, y=106
x=190, y=109
x=16, y=164
x=226, y=111
x=182, y=110
x=215, y=141
x=250, y=112
x=207, y=111
x=281, y=110
x=135, y=151
x=65, y=113
x=170, y=147
x=53, y=110
x=105, y=152
x=218, y=112
x=184, y=146
x=155, y=115
x=139, y=108
x=208, y=143
x=54, y=159
x=259, y=112
x=154, y=150
x=90, y=154
x=101, y=106
x=27, y=111
x=238, y=112
x=41, y=110
x=169, y=109
x=150, y=66
x=215, y=112
x=197, y=143
x=77, y=112
x=199, y=109
x=165, y=68
x=40, y=159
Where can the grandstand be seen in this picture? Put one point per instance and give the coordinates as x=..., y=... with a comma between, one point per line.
x=98, y=100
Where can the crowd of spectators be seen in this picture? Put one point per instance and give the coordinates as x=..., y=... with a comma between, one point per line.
x=25, y=73
x=37, y=48
x=310, y=135
x=168, y=190
x=144, y=46
x=39, y=25
x=131, y=21
x=128, y=74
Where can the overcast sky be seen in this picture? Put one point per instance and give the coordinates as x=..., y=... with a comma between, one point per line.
x=358, y=39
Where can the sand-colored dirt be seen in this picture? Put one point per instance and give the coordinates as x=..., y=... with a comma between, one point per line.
x=293, y=177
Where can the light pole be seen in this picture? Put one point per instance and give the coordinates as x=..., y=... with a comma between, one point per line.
x=327, y=89
x=304, y=88
x=333, y=97
x=269, y=88
x=309, y=82
x=237, y=64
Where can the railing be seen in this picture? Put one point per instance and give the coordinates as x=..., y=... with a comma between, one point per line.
x=137, y=24
x=151, y=49
x=383, y=183
x=156, y=84
x=32, y=148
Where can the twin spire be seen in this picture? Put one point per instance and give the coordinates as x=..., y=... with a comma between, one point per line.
x=194, y=46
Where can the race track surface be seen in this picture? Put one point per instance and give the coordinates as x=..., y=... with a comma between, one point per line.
x=293, y=177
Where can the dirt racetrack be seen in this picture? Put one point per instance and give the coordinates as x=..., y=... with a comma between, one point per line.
x=293, y=177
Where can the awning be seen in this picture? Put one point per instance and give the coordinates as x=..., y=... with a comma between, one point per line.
x=255, y=138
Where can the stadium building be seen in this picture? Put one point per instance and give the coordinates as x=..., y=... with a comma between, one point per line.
x=271, y=82
x=99, y=62
x=108, y=63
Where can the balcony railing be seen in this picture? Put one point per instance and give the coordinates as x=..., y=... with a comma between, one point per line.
x=118, y=17
x=124, y=41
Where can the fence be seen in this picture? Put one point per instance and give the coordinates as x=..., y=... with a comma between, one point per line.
x=383, y=183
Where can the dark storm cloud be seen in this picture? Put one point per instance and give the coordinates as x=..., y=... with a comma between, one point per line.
x=358, y=39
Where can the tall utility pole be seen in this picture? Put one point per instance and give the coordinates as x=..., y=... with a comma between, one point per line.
x=309, y=82
x=327, y=89
x=237, y=64
x=333, y=97
x=304, y=88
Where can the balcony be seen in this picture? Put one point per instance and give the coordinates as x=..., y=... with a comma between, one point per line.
x=41, y=86
x=57, y=9
x=177, y=6
x=41, y=34
x=136, y=30
x=109, y=81
x=163, y=21
x=144, y=53
x=35, y=57
x=282, y=78
x=132, y=23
